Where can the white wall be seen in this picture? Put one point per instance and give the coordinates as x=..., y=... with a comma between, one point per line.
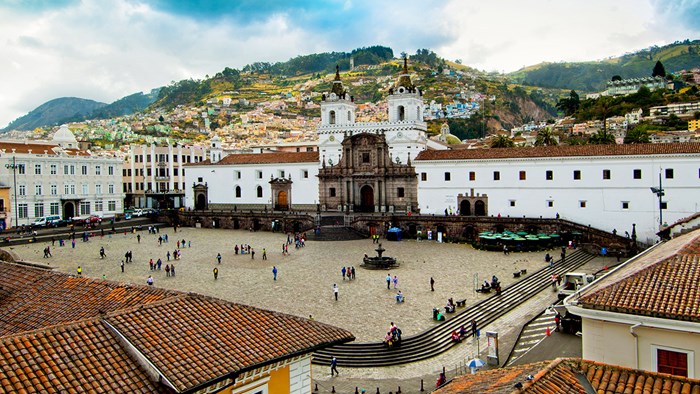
x=604, y=198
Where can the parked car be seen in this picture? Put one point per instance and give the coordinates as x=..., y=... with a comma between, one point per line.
x=93, y=220
x=138, y=213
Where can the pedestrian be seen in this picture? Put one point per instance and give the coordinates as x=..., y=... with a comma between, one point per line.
x=149, y=281
x=167, y=270
x=72, y=243
x=335, y=291
x=53, y=241
x=342, y=271
x=138, y=238
x=396, y=281
x=102, y=253
x=218, y=257
x=216, y=273
x=388, y=281
x=432, y=284
x=334, y=366
x=122, y=266
x=252, y=254
x=353, y=272
x=159, y=263
x=235, y=249
x=172, y=269
x=557, y=321
x=80, y=271
x=264, y=254
x=274, y=272
x=168, y=255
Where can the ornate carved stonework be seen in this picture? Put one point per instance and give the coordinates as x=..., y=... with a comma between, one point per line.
x=367, y=179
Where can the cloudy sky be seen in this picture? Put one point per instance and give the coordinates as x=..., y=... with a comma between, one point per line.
x=106, y=49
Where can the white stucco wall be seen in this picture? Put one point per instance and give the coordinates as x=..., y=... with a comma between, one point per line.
x=603, y=198
x=300, y=376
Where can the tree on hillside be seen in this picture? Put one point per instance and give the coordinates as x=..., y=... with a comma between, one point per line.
x=637, y=136
x=502, y=141
x=570, y=104
x=545, y=137
x=659, y=70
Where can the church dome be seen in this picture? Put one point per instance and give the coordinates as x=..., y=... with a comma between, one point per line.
x=65, y=138
x=405, y=80
x=338, y=87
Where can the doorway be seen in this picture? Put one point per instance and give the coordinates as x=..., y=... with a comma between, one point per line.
x=367, y=199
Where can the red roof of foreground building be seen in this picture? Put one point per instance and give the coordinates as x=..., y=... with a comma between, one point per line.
x=561, y=151
x=262, y=158
x=565, y=376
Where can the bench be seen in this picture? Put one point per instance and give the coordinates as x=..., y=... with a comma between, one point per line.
x=450, y=310
x=516, y=274
x=462, y=302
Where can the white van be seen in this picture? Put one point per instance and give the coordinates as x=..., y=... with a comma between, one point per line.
x=46, y=221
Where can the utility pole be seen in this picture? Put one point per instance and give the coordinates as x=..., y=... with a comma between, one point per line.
x=660, y=193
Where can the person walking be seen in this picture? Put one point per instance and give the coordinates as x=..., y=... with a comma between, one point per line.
x=274, y=272
x=172, y=269
x=396, y=281
x=342, y=271
x=334, y=366
x=218, y=257
x=335, y=291
x=264, y=254
x=216, y=273
x=80, y=271
x=388, y=281
x=138, y=238
x=252, y=254
x=149, y=281
x=122, y=266
x=168, y=255
x=167, y=270
x=352, y=269
x=432, y=284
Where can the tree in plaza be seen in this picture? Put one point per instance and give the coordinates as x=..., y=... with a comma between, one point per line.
x=545, y=137
x=637, y=136
x=570, y=104
x=502, y=141
x=659, y=70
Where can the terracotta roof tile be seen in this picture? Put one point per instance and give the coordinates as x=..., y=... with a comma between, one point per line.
x=37, y=148
x=79, y=357
x=263, y=158
x=564, y=376
x=217, y=337
x=32, y=298
x=561, y=151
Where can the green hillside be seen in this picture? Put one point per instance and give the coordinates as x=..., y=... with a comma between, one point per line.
x=55, y=112
x=592, y=76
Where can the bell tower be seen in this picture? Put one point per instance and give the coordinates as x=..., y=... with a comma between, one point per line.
x=337, y=116
x=405, y=99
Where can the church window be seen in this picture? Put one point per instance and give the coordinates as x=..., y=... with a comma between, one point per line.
x=238, y=192
x=331, y=117
x=331, y=192
x=400, y=192
x=549, y=175
x=496, y=175
x=448, y=176
x=305, y=174
x=523, y=175
x=577, y=175
x=402, y=113
x=669, y=173
x=550, y=203
x=424, y=176
x=637, y=173
x=348, y=116
x=260, y=192
x=512, y=203
x=472, y=175
x=365, y=157
x=281, y=174
x=582, y=203
x=418, y=113
x=258, y=174
x=606, y=174
x=625, y=205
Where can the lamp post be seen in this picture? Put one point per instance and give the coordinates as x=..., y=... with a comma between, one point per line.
x=14, y=167
x=659, y=193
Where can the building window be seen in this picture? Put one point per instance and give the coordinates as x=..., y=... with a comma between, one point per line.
x=238, y=175
x=472, y=175
x=21, y=169
x=84, y=170
x=38, y=210
x=37, y=170
x=669, y=173
x=54, y=190
x=637, y=174
x=22, y=190
x=53, y=169
x=512, y=203
x=549, y=175
x=331, y=117
x=399, y=192
x=305, y=174
x=424, y=176
x=110, y=170
x=85, y=188
x=200, y=179
x=37, y=190
x=523, y=175
x=23, y=209
x=258, y=174
x=98, y=206
x=672, y=362
x=365, y=157
x=606, y=174
x=110, y=188
x=260, y=192
x=448, y=176
x=238, y=192
x=331, y=192
x=85, y=207
x=664, y=205
x=582, y=204
x=54, y=208
x=577, y=175
x=281, y=173
x=550, y=203
x=112, y=205
x=625, y=205
x=98, y=190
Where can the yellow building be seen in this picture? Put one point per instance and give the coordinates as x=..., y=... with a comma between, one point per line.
x=5, y=208
x=693, y=124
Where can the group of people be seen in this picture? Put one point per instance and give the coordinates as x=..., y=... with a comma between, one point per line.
x=393, y=336
x=495, y=285
x=348, y=272
x=390, y=280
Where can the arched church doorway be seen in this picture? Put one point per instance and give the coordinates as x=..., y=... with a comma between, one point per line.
x=479, y=208
x=367, y=199
x=201, y=202
x=68, y=210
x=465, y=208
x=282, y=204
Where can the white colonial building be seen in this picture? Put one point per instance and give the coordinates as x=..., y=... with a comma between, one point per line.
x=59, y=179
x=606, y=186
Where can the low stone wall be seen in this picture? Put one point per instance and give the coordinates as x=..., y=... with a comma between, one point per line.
x=254, y=221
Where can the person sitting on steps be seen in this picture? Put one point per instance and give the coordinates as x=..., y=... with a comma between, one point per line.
x=455, y=336
x=450, y=307
x=486, y=287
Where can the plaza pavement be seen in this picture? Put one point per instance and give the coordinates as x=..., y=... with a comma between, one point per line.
x=304, y=287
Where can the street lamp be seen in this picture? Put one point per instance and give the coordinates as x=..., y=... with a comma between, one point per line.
x=659, y=193
x=14, y=166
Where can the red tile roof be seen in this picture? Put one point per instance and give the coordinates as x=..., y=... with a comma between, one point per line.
x=217, y=337
x=665, y=287
x=37, y=148
x=263, y=158
x=199, y=339
x=564, y=376
x=561, y=151
x=75, y=358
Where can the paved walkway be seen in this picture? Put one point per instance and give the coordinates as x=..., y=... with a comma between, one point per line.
x=304, y=286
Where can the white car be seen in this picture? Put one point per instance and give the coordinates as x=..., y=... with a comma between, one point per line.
x=138, y=213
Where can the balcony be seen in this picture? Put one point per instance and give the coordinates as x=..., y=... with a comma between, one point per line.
x=162, y=178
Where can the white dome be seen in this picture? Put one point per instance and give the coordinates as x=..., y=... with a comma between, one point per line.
x=65, y=137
